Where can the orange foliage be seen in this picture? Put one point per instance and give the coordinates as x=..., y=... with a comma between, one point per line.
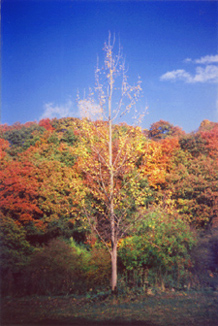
x=157, y=160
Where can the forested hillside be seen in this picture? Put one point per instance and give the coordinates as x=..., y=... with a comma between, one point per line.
x=53, y=203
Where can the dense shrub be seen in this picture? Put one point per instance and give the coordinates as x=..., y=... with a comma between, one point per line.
x=54, y=269
x=63, y=268
x=159, y=250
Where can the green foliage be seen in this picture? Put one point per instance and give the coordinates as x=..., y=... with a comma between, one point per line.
x=81, y=251
x=160, y=246
x=15, y=249
x=69, y=137
x=52, y=148
x=60, y=227
x=95, y=264
x=24, y=137
x=53, y=139
x=14, y=254
x=66, y=157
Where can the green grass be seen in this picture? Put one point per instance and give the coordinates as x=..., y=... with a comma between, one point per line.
x=163, y=309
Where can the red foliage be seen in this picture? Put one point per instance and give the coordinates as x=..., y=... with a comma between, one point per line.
x=46, y=123
x=4, y=144
x=19, y=192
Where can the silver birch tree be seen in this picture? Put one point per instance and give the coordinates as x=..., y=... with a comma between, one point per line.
x=105, y=104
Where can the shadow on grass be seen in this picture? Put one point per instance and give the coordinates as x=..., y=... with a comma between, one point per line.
x=82, y=322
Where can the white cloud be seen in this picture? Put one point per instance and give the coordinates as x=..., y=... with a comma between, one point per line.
x=86, y=109
x=179, y=74
x=207, y=59
x=57, y=111
x=201, y=75
x=207, y=73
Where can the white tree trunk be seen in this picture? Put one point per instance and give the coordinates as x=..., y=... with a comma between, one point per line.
x=111, y=197
x=114, y=268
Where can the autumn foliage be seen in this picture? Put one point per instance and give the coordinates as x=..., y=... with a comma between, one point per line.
x=49, y=184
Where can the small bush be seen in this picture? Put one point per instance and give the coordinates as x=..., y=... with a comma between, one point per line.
x=159, y=251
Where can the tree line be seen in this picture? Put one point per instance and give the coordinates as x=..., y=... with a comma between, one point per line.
x=54, y=185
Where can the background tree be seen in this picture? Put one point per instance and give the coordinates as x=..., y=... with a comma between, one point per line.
x=163, y=129
x=110, y=173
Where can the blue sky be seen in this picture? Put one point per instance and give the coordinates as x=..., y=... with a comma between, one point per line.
x=50, y=49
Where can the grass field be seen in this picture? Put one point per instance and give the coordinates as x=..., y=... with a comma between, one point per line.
x=163, y=309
